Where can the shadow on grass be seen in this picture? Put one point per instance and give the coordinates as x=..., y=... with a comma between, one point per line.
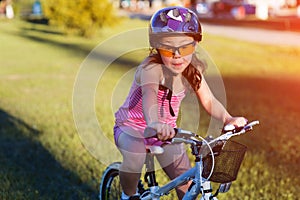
x=45, y=36
x=28, y=170
x=46, y=31
x=38, y=20
x=75, y=49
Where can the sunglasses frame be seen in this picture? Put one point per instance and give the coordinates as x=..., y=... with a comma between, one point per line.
x=173, y=49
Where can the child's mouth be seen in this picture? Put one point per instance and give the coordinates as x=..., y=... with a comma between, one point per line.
x=177, y=65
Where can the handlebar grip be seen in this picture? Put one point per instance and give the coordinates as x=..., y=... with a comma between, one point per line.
x=234, y=129
x=151, y=132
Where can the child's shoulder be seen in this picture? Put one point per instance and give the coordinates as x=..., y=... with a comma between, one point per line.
x=151, y=70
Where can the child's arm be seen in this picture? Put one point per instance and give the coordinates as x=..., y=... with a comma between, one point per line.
x=215, y=108
x=150, y=79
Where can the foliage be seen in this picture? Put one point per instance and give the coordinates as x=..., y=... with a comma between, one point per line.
x=83, y=17
x=41, y=154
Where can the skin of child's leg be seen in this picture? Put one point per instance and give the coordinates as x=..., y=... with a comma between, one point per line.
x=134, y=153
x=175, y=162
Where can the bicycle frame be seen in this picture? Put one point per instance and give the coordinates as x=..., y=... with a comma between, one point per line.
x=194, y=174
x=183, y=178
x=200, y=185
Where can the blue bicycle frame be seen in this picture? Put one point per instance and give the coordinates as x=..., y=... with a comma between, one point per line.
x=195, y=189
x=193, y=174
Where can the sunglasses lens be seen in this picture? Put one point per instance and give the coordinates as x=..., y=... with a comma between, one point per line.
x=186, y=50
x=166, y=52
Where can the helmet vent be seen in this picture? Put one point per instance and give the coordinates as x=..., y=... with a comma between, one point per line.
x=176, y=12
x=188, y=17
x=163, y=17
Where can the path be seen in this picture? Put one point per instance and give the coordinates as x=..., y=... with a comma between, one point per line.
x=284, y=38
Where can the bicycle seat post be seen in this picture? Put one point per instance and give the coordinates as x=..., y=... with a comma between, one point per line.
x=150, y=170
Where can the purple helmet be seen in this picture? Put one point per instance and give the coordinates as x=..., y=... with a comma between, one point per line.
x=170, y=20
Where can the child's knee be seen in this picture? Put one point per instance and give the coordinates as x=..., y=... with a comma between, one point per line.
x=133, y=164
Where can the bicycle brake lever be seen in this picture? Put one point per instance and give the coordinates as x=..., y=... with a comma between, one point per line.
x=182, y=140
x=183, y=133
x=250, y=125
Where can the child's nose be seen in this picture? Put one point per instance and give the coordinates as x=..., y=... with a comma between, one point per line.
x=176, y=53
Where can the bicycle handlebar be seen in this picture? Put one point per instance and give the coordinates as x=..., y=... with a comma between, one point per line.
x=230, y=132
x=189, y=137
x=214, y=146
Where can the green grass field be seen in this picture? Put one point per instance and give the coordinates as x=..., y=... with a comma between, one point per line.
x=42, y=156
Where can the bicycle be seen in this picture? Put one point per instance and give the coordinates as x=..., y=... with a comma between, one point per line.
x=209, y=166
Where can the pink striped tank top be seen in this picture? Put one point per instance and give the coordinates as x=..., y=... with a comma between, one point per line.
x=131, y=112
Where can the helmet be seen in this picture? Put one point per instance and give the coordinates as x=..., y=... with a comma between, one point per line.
x=171, y=20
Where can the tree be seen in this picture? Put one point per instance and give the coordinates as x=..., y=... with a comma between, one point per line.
x=81, y=16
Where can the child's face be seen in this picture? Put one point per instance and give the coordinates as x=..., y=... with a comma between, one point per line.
x=176, y=52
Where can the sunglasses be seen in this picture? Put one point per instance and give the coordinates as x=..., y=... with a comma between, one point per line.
x=183, y=50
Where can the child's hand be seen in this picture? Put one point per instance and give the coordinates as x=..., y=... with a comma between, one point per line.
x=237, y=121
x=164, y=131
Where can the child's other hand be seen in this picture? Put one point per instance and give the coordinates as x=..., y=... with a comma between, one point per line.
x=164, y=131
x=237, y=121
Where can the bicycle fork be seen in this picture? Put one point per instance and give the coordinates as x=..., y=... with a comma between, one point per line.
x=200, y=184
x=207, y=192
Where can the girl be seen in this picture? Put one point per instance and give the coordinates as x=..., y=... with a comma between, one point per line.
x=159, y=85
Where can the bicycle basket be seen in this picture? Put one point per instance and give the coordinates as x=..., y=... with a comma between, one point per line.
x=227, y=163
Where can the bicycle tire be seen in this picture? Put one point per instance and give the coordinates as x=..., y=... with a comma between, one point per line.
x=110, y=186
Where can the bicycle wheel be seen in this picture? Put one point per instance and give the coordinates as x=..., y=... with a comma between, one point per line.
x=110, y=186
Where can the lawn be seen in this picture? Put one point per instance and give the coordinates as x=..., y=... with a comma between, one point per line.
x=44, y=154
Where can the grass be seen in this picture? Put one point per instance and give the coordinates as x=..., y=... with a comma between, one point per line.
x=43, y=157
